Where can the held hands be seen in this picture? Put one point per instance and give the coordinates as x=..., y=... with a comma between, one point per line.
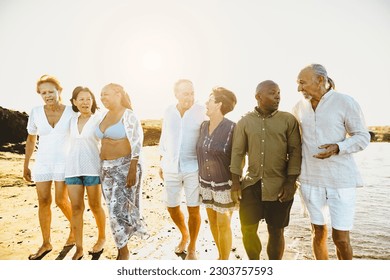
x=331, y=149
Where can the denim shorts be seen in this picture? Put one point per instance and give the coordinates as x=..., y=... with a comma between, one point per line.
x=83, y=180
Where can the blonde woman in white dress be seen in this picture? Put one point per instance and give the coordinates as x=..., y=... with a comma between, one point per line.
x=51, y=123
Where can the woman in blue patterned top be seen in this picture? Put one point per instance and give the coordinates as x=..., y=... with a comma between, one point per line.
x=213, y=152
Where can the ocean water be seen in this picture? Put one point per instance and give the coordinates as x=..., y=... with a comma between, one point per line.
x=370, y=236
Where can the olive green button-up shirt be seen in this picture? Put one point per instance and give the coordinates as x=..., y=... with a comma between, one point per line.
x=273, y=148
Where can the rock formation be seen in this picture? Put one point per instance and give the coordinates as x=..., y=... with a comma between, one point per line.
x=12, y=130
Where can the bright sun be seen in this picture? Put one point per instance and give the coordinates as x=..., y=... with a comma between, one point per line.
x=151, y=61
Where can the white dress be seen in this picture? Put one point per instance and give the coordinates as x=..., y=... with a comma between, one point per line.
x=53, y=144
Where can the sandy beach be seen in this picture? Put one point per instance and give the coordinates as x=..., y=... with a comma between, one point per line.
x=21, y=236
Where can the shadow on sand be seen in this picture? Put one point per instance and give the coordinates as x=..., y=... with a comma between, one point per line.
x=64, y=252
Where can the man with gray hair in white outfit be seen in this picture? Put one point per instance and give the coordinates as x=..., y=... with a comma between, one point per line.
x=179, y=164
x=332, y=128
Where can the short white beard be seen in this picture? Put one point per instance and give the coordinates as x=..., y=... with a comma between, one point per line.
x=307, y=97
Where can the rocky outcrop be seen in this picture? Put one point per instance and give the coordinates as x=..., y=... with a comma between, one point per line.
x=13, y=129
x=152, y=132
x=379, y=133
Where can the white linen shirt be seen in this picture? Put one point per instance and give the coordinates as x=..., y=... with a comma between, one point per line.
x=53, y=144
x=179, y=136
x=83, y=158
x=336, y=116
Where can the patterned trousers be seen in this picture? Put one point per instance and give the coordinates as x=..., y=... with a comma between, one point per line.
x=123, y=203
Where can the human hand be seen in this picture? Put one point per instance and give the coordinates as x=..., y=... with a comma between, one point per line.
x=27, y=174
x=235, y=193
x=161, y=173
x=287, y=192
x=132, y=175
x=331, y=149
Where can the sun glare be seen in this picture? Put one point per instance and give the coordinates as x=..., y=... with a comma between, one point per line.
x=151, y=61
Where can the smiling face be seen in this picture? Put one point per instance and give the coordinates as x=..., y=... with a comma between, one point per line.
x=307, y=84
x=83, y=102
x=184, y=93
x=212, y=106
x=49, y=93
x=110, y=97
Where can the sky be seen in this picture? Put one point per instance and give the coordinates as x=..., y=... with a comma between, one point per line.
x=147, y=45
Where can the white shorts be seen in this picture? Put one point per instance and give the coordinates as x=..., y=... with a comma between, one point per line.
x=340, y=202
x=176, y=182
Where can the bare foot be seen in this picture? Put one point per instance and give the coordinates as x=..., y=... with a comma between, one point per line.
x=78, y=255
x=123, y=253
x=182, y=245
x=99, y=245
x=191, y=255
x=43, y=251
x=71, y=240
x=123, y=257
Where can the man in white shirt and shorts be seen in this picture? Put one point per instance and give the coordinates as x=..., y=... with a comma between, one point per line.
x=179, y=166
x=329, y=175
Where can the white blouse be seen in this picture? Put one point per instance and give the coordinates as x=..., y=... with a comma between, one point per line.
x=83, y=158
x=53, y=144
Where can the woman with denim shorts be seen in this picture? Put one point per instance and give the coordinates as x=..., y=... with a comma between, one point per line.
x=83, y=169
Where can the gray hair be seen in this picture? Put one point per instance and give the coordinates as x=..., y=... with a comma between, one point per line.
x=320, y=70
x=182, y=81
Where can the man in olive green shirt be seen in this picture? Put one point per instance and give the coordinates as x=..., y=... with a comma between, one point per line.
x=272, y=143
